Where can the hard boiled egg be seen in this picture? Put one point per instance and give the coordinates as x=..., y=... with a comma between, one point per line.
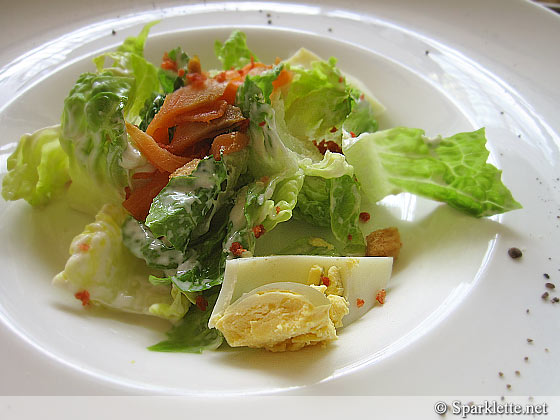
x=362, y=278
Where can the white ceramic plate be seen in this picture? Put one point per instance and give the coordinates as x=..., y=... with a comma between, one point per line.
x=456, y=310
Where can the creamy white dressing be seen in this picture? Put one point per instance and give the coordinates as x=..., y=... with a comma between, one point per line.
x=132, y=158
x=205, y=177
x=189, y=264
x=144, y=245
x=180, y=195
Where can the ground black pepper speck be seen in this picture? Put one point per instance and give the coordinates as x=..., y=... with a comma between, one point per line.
x=544, y=295
x=550, y=285
x=546, y=275
x=515, y=253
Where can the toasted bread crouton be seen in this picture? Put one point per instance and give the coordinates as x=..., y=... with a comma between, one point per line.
x=187, y=169
x=384, y=243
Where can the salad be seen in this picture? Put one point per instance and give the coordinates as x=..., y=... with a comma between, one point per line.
x=184, y=169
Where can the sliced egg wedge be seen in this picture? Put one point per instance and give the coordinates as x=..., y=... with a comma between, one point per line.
x=362, y=278
x=314, y=296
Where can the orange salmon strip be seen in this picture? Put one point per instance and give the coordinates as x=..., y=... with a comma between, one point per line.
x=161, y=158
x=184, y=100
x=228, y=143
x=139, y=201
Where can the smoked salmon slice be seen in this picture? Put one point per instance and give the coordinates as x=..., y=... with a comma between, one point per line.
x=183, y=101
x=188, y=134
x=161, y=158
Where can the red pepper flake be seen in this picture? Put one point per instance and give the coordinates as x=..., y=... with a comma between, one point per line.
x=201, y=303
x=349, y=237
x=380, y=297
x=262, y=124
x=362, y=97
x=334, y=130
x=83, y=296
x=258, y=231
x=181, y=72
x=265, y=179
x=364, y=216
x=331, y=146
x=220, y=77
x=340, y=79
x=359, y=302
x=84, y=247
x=277, y=209
x=167, y=63
x=196, y=79
x=352, y=134
x=237, y=249
x=326, y=281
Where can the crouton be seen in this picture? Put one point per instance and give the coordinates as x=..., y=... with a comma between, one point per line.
x=187, y=169
x=384, y=243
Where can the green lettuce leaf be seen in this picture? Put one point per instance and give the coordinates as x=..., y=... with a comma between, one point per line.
x=38, y=168
x=239, y=227
x=333, y=203
x=268, y=153
x=359, y=92
x=175, y=310
x=234, y=53
x=185, y=207
x=94, y=137
x=345, y=203
x=204, y=260
x=451, y=170
x=317, y=100
x=192, y=334
x=151, y=108
x=186, y=202
x=113, y=277
x=361, y=119
x=135, y=44
x=313, y=202
x=143, y=244
x=333, y=165
x=271, y=201
x=310, y=246
x=271, y=198
x=169, y=79
x=128, y=61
